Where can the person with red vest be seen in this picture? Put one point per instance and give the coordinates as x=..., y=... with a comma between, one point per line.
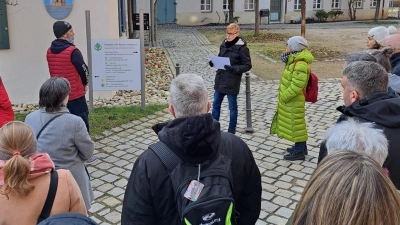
x=6, y=110
x=65, y=60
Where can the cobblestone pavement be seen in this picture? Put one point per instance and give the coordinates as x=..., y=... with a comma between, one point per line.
x=282, y=181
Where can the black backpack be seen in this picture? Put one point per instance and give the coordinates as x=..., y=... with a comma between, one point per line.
x=215, y=204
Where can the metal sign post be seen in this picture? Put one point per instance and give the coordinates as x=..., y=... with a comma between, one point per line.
x=143, y=81
x=89, y=56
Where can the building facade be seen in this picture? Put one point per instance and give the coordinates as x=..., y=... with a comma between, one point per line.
x=200, y=12
x=26, y=32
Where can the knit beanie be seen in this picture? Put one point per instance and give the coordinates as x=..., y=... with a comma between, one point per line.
x=60, y=28
x=297, y=43
x=381, y=32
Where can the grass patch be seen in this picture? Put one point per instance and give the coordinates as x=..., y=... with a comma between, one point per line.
x=105, y=118
x=379, y=22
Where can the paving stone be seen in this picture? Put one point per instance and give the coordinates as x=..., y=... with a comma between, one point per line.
x=284, y=212
x=282, y=201
x=268, y=206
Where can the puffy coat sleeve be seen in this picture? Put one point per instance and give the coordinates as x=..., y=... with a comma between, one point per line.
x=299, y=78
x=245, y=64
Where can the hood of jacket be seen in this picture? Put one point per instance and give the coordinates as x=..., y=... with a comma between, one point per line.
x=59, y=45
x=303, y=55
x=194, y=139
x=382, y=108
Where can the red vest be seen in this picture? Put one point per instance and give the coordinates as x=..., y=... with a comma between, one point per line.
x=60, y=65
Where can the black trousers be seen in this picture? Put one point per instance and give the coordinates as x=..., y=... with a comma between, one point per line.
x=79, y=108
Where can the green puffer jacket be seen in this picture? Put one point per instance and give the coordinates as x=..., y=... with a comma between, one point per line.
x=289, y=120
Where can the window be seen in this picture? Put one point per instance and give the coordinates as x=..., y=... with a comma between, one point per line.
x=358, y=4
x=335, y=4
x=248, y=4
x=4, y=39
x=225, y=5
x=317, y=4
x=372, y=3
x=205, y=5
x=121, y=16
x=297, y=4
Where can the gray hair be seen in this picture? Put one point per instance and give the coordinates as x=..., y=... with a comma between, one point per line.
x=359, y=56
x=359, y=137
x=53, y=92
x=366, y=77
x=189, y=95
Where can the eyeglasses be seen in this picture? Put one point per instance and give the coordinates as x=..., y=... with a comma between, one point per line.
x=231, y=34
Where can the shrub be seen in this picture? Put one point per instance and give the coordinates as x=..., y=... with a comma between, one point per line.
x=334, y=14
x=321, y=15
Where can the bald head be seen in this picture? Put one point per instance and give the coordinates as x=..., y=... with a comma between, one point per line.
x=392, y=41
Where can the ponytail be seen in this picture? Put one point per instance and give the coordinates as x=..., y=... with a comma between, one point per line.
x=15, y=172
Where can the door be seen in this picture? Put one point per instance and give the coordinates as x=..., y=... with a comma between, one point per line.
x=166, y=11
x=275, y=10
x=4, y=40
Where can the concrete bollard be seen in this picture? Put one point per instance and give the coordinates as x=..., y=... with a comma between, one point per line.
x=177, y=69
x=249, y=127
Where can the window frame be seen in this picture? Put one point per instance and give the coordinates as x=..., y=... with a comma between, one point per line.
x=337, y=2
x=225, y=5
x=297, y=5
x=359, y=4
x=320, y=4
x=372, y=5
x=204, y=4
x=247, y=5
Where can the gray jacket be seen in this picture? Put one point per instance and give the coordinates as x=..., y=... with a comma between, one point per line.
x=68, y=143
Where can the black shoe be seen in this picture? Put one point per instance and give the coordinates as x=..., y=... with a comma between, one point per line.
x=290, y=149
x=91, y=160
x=232, y=132
x=294, y=156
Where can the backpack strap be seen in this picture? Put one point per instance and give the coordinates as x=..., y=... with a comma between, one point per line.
x=48, y=204
x=166, y=155
x=40, y=132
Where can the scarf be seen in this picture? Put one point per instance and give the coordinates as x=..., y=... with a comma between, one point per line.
x=40, y=164
x=285, y=55
x=229, y=44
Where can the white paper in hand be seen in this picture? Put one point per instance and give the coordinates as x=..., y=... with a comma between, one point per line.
x=220, y=62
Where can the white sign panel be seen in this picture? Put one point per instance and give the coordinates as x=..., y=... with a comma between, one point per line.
x=116, y=64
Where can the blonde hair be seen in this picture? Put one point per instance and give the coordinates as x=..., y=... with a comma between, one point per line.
x=17, y=143
x=233, y=26
x=348, y=188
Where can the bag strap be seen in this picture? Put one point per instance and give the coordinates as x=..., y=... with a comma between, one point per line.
x=171, y=160
x=166, y=155
x=48, y=204
x=40, y=132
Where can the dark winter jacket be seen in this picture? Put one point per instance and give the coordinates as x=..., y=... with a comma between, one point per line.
x=384, y=110
x=239, y=56
x=395, y=63
x=149, y=195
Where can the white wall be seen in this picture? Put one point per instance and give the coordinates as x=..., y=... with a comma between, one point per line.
x=23, y=67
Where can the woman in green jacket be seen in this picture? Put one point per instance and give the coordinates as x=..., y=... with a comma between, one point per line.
x=289, y=120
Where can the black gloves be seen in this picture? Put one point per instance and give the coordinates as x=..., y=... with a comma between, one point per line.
x=211, y=63
x=229, y=68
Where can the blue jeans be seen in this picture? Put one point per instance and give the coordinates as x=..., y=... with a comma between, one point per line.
x=233, y=109
x=299, y=147
x=79, y=108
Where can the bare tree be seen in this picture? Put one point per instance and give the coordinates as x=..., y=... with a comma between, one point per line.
x=378, y=4
x=352, y=9
x=303, y=18
x=230, y=3
x=256, y=18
